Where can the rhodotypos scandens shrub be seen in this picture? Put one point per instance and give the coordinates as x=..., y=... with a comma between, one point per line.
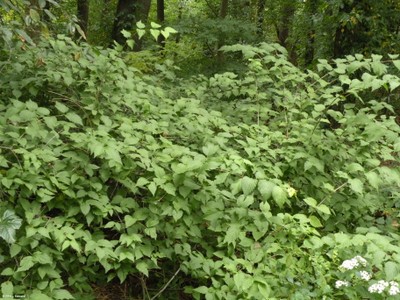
x=116, y=175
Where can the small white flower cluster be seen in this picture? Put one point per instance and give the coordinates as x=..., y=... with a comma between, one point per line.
x=381, y=285
x=340, y=283
x=378, y=287
x=356, y=261
x=365, y=275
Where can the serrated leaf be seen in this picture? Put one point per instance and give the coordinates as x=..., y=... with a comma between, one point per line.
x=265, y=188
x=315, y=222
x=7, y=272
x=62, y=294
x=311, y=202
x=34, y=15
x=9, y=223
x=61, y=107
x=25, y=264
x=373, y=179
x=248, y=185
x=73, y=117
x=143, y=268
x=356, y=185
x=15, y=249
x=152, y=188
x=129, y=220
x=279, y=195
x=201, y=290
x=232, y=234
x=142, y=181
x=85, y=208
x=324, y=209
x=25, y=36
x=37, y=295
x=7, y=289
x=391, y=270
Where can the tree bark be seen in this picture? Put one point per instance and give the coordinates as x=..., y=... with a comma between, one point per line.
x=223, y=12
x=260, y=16
x=124, y=19
x=83, y=15
x=160, y=20
x=311, y=8
x=288, y=10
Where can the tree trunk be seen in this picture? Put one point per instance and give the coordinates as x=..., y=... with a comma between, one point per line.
x=260, y=17
x=124, y=19
x=83, y=16
x=288, y=10
x=223, y=12
x=311, y=8
x=160, y=20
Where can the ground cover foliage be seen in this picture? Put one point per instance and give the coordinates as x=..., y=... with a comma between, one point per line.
x=250, y=184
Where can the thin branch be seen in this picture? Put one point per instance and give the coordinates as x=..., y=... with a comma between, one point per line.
x=167, y=284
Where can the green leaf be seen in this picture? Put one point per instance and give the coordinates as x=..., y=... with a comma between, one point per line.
x=167, y=31
x=142, y=268
x=126, y=33
x=129, y=221
x=25, y=264
x=62, y=294
x=248, y=185
x=391, y=270
x=142, y=181
x=232, y=234
x=279, y=195
x=38, y=295
x=155, y=25
x=373, y=179
x=397, y=64
x=140, y=33
x=61, y=107
x=314, y=221
x=265, y=188
x=73, y=117
x=130, y=43
x=7, y=290
x=152, y=188
x=9, y=223
x=324, y=209
x=7, y=272
x=25, y=36
x=140, y=25
x=311, y=202
x=155, y=33
x=34, y=15
x=356, y=185
x=201, y=290
x=15, y=249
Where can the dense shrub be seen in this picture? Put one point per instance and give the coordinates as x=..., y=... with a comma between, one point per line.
x=116, y=174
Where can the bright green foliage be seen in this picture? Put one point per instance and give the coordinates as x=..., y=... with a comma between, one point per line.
x=118, y=174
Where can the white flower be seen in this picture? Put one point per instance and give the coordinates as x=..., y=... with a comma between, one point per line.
x=340, y=283
x=394, y=288
x=350, y=264
x=378, y=287
x=361, y=260
x=394, y=283
x=365, y=275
